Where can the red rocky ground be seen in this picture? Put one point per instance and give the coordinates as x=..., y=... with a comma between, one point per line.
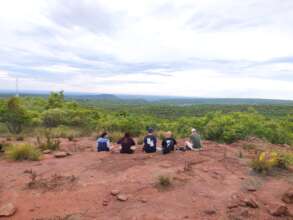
x=215, y=183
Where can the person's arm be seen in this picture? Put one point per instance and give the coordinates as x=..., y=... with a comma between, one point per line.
x=109, y=144
x=164, y=143
x=120, y=141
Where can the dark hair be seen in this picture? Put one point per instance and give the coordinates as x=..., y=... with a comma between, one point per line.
x=103, y=134
x=127, y=135
x=150, y=130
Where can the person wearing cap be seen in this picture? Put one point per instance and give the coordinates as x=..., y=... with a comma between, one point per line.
x=150, y=142
x=195, y=141
x=168, y=143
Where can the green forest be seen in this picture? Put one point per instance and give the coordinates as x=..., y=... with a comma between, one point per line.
x=31, y=116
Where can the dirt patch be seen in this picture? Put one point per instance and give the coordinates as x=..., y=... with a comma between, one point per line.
x=55, y=182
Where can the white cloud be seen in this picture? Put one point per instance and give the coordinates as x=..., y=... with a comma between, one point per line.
x=224, y=48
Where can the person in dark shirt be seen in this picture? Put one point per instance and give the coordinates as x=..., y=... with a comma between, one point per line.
x=127, y=144
x=168, y=143
x=150, y=142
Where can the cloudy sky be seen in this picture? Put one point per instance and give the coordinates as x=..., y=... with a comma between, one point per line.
x=200, y=48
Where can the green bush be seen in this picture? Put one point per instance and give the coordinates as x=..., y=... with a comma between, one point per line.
x=53, y=117
x=23, y=152
x=285, y=160
x=266, y=161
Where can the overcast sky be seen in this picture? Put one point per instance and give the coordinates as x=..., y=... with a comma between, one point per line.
x=200, y=48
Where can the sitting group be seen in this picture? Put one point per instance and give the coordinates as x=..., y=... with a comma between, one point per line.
x=169, y=143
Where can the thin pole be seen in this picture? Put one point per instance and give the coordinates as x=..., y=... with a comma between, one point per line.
x=16, y=88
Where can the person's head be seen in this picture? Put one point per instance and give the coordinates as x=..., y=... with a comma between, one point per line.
x=168, y=134
x=193, y=131
x=104, y=135
x=127, y=135
x=150, y=130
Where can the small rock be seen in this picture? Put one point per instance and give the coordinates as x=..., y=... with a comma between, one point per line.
x=121, y=197
x=210, y=211
x=68, y=153
x=105, y=202
x=278, y=210
x=251, y=202
x=115, y=192
x=47, y=151
x=251, y=188
x=7, y=210
x=60, y=154
x=143, y=200
x=288, y=196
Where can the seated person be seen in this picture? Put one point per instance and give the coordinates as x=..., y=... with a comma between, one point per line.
x=195, y=141
x=103, y=143
x=168, y=143
x=127, y=144
x=150, y=142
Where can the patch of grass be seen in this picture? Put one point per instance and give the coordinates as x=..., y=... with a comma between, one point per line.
x=23, y=152
x=266, y=161
x=164, y=181
x=49, y=144
x=285, y=160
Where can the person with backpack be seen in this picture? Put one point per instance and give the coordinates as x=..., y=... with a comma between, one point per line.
x=103, y=142
x=127, y=144
x=150, y=142
x=168, y=143
x=195, y=141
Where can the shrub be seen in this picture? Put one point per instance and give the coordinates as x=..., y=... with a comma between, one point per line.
x=50, y=144
x=164, y=181
x=53, y=117
x=14, y=115
x=285, y=159
x=264, y=162
x=23, y=152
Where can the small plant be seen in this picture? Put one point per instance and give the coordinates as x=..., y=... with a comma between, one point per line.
x=164, y=181
x=264, y=162
x=19, y=138
x=285, y=160
x=70, y=138
x=23, y=152
x=50, y=143
x=240, y=154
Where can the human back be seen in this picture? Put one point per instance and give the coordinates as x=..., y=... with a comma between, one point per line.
x=150, y=142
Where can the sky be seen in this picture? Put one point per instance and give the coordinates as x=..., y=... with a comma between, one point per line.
x=196, y=48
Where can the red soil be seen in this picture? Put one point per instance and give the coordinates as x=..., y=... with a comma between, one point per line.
x=75, y=187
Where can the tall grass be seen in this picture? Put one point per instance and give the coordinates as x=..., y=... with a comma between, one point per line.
x=23, y=152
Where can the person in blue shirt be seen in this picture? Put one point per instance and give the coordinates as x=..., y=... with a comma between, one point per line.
x=103, y=143
x=150, y=142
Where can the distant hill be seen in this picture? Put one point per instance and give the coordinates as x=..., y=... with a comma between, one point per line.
x=164, y=100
